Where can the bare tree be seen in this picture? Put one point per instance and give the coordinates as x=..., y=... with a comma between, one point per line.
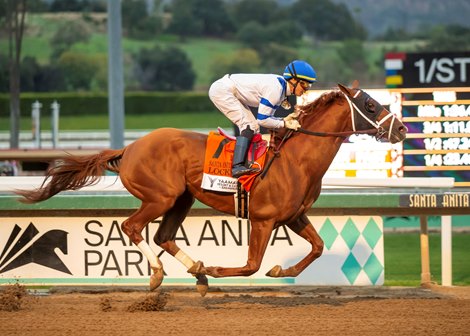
x=14, y=22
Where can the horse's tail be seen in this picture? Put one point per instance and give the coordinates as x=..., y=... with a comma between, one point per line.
x=73, y=173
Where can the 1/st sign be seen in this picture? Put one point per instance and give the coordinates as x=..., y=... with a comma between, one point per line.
x=412, y=70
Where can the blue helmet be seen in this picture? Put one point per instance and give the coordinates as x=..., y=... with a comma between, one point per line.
x=300, y=70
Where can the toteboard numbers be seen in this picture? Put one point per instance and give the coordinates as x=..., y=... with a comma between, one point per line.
x=444, y=70
x=449, y=127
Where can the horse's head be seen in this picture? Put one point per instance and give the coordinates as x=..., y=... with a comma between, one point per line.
x=367, y=113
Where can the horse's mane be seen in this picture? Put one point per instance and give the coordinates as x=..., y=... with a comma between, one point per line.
x=310, y=110
x=324, y=101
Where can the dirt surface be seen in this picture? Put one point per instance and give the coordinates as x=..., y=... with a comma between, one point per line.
x=243, y=311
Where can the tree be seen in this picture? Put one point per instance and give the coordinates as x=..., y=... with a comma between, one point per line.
x=34, y=76
x=214, y=17
x=285, y=32
x=68, y=34
x=183, y=22
x=4, y=81
x=78, y=69
x=448, y=38
x=38, y=7
x=258, y=36
x=29, y=70
x=253, y=34
x=49, y=78
x=137, y=22
x=327, y=20
x=13, y=21
x=263, y=12
x=66, y=6
x=164, y=69
x=200, y=17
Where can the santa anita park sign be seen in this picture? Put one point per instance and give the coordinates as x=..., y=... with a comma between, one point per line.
x=94, y=251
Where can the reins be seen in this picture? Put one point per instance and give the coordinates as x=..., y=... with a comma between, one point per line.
x=378, y=131
x=337, y=134
x=276, y=151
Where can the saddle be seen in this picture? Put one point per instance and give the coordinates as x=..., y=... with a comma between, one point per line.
x=217, y=175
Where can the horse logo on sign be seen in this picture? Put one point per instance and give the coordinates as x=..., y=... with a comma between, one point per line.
x=31, y=247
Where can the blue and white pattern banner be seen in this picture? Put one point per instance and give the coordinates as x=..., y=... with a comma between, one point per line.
x=353, y=253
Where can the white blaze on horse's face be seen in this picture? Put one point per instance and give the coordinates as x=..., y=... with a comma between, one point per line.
x=367, y=113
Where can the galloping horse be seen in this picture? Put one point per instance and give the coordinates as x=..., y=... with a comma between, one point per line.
x=164, y=170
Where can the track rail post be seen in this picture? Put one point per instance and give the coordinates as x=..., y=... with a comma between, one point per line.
x=424, y=239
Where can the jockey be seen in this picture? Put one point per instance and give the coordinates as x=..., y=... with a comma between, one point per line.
x=234, y=94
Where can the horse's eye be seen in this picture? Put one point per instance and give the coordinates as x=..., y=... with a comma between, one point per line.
x=370, y=106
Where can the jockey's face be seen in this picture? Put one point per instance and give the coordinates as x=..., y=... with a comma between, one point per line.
x=299, y=87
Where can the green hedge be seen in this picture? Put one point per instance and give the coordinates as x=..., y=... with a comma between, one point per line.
x=97, y=103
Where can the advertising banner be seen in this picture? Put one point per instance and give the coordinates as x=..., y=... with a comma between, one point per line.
x=94, y=251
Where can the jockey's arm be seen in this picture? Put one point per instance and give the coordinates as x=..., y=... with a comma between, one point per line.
x=265, y=117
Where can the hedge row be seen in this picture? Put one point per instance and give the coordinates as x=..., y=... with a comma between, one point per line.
x=97, y=103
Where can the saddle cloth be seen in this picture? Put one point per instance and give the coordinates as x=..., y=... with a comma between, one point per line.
x=217, y=175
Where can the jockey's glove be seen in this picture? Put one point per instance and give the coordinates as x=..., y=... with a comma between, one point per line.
x=292, y=116
x=291, y=124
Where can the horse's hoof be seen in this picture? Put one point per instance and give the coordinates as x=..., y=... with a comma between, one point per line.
x=156, y=278
x=202, y=289
x=275, y=272
x=197, y=268
x=202, y=284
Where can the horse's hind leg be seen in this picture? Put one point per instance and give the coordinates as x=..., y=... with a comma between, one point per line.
x=304, y=229
x=166, y=233
x=133, y=227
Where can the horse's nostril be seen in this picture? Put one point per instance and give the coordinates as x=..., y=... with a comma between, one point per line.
x=402, y=129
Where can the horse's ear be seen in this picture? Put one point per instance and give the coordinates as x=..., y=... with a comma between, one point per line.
x=355, y=84
x=345, y=89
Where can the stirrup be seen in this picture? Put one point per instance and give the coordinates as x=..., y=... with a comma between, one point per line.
x=241, y=170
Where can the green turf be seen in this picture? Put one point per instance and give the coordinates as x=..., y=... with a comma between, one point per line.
x=403, y=258
x=134, y=122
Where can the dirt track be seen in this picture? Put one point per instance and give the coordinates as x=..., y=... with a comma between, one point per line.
x=246, y=311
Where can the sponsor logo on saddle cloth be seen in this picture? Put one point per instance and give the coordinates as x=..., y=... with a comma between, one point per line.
x=217, y=174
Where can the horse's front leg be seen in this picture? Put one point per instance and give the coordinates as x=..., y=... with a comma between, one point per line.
x=304, y=229
x=259, y=237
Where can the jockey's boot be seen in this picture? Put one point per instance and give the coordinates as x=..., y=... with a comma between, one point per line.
x=239, y=157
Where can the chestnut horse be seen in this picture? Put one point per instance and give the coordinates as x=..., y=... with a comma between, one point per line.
x=164, y=170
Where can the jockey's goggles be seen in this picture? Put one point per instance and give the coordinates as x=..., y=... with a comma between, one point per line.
x=305, y=85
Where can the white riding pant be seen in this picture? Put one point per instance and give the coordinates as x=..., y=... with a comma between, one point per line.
x=223, y=94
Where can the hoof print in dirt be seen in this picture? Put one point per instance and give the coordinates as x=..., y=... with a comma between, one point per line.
x=151, y=302
x=105, y=305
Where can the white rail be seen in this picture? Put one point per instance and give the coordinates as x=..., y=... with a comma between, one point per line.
x=113, y=183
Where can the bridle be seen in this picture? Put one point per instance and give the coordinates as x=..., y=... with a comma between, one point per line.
x=378, y=130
